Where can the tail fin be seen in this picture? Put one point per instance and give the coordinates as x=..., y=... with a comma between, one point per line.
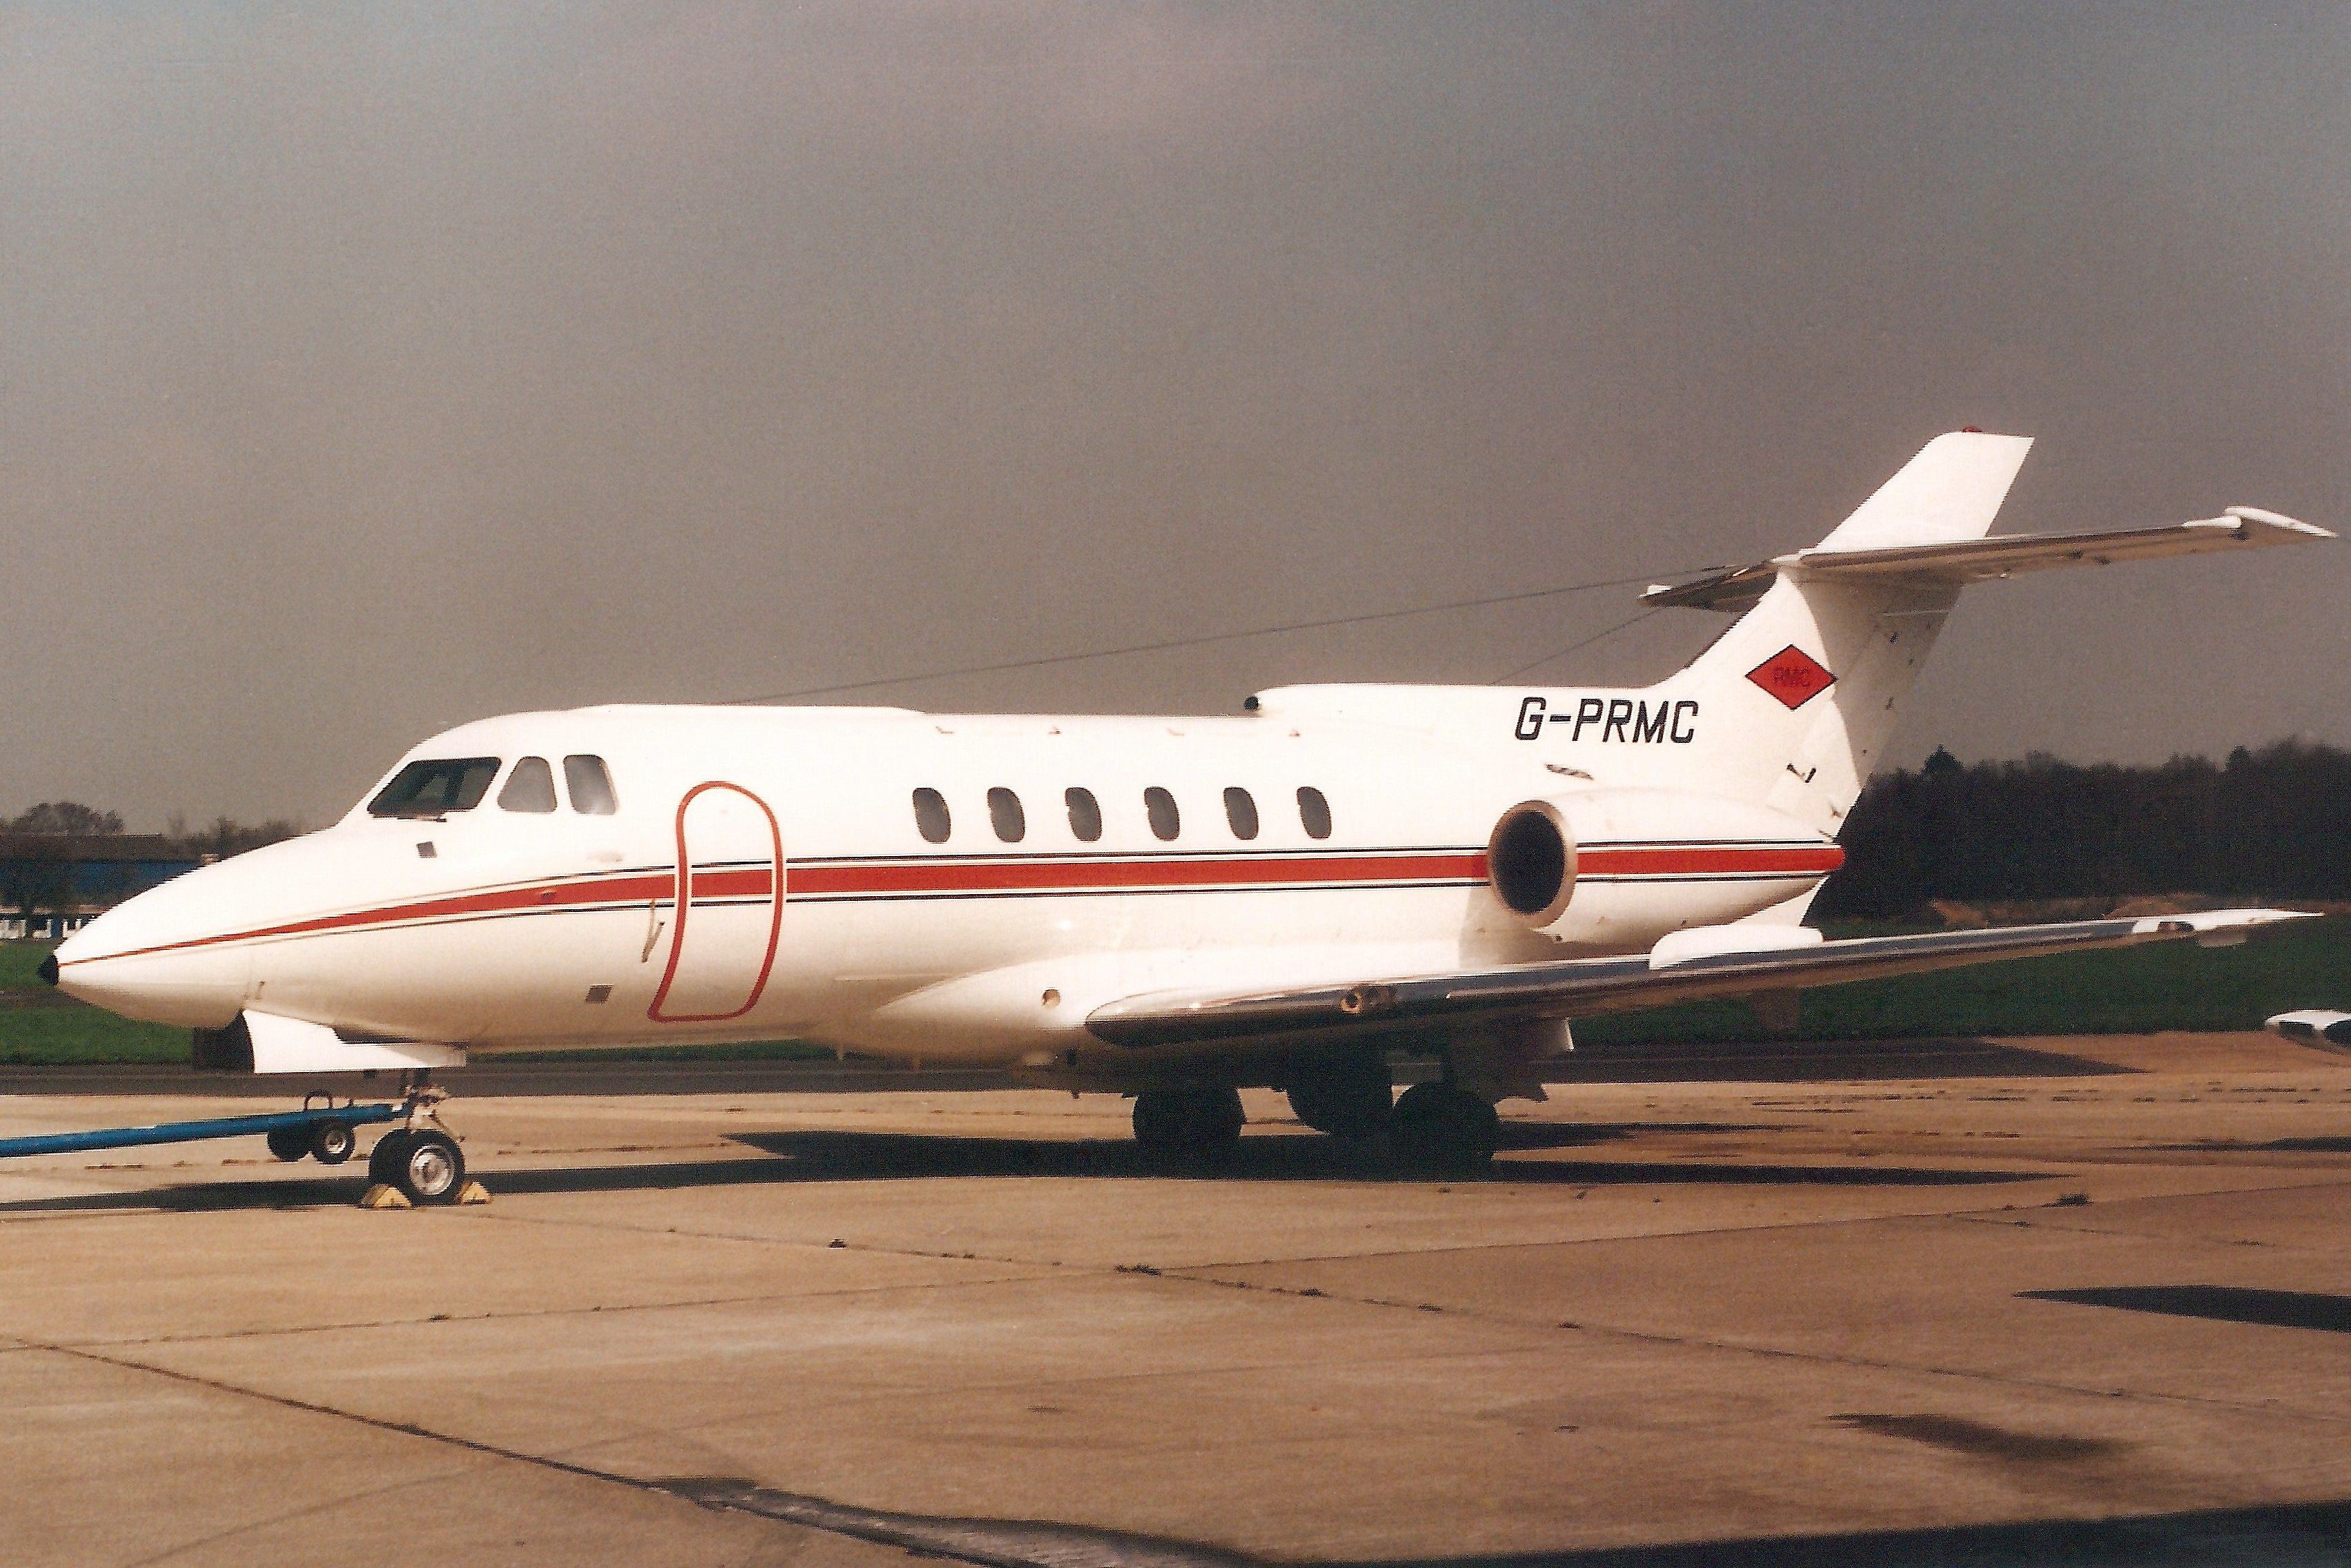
x=1800, y=697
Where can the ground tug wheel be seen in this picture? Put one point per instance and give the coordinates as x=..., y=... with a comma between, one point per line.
x=331, y=1142
x=1441, y=1129
x=1197, y=1123
x=289, y=1144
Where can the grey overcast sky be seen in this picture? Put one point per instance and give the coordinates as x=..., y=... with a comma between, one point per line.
x=365, y=368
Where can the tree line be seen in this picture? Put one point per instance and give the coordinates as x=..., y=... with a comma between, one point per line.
x=2272, y=823
x=221, y=837
x=33, y=883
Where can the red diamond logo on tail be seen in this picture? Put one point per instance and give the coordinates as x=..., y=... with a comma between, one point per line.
x=1792, y=676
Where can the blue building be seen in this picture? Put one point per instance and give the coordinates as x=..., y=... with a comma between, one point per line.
x=50, y=883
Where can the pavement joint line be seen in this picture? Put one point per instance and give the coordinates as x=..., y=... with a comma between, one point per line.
x=1702, y=1342
x=2026, y=1224
x=1970, y=1374
x=295, y=1330
x=990, y=1543
x=1827, y=1222
x=287, y=1516
x=866, y=1248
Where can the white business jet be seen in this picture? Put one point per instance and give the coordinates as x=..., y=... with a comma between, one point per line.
x=1337, y=879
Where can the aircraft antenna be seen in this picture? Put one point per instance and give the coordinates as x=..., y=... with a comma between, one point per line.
x=1203, y=641
x=1635, y=619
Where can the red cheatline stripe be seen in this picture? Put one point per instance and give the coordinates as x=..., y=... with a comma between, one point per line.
x=1030, y=875
x=503, y=900
x=1089, y=873
x=1708, y=861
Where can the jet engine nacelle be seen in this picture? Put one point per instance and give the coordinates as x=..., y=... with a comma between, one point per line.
x=1623, y=866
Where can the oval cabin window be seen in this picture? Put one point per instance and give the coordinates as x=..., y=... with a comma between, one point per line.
x=1160, y=806
x=1313, y=812
x=931, y=816
x=1085, y=815
x=1003, y=814
x=1240, y=812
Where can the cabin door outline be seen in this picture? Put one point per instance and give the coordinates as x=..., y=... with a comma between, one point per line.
x=732, y=880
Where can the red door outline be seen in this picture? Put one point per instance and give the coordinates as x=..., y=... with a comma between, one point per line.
x=774, y=877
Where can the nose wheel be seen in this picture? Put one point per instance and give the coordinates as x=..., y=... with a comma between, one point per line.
x=419, y=1158
x=423, y=1166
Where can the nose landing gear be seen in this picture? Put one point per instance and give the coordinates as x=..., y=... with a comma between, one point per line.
x=419, y=1158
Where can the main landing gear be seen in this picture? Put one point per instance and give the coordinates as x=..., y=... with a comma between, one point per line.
x=1431, y=1126
x=1197, y=1123
x=1440, y=1128
x=419, y=1158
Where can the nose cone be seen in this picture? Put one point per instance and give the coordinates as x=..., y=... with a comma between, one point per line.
x=168, y=956
x=47, y=971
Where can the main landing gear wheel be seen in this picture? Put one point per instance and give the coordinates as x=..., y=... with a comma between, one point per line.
x=423, y=1166
x=1201, y=1123
x=1442, y=1129
x=1349, y=1098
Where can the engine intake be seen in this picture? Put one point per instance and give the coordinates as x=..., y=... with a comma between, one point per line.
x=1531, y=862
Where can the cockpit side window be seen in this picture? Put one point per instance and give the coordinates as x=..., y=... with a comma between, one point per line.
x=530, y=788
x=435, y=787
x=590, y=784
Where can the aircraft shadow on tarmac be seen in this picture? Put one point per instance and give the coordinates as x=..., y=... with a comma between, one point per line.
x=2280, y=1534
x=801, y=1157
x=2274, y=1146
x=2216, y=1303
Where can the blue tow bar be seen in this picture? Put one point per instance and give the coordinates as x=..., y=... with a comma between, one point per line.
x=192, y=1132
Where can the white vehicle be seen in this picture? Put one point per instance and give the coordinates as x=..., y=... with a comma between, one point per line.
x=2322, y=1027
x=1169, y=908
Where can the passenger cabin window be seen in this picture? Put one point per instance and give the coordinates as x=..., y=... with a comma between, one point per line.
x=1160, y=806
x=436, y=788
x=1003, y=814
x=1240, y=812
x=1085, y=815
x=1313, y=812
x=590, y=786
x=530, y=788
x=931, y=816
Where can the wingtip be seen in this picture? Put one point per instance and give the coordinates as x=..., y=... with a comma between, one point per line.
x=2222, y=923
x=2278, y=520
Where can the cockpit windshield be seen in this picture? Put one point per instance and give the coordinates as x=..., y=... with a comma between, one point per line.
x=436, y=788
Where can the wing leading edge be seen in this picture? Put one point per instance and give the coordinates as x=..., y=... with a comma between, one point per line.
x=1579, y=987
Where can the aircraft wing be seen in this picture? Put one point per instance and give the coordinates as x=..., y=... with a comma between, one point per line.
x=1965, y=560
x=1377, y=1006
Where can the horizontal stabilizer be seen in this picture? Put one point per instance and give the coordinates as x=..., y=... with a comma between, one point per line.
x=1962, y=561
